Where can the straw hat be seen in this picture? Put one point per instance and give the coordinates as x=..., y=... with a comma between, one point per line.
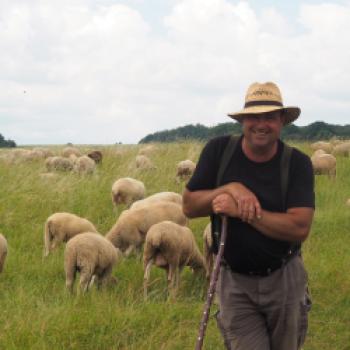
x=262, y=98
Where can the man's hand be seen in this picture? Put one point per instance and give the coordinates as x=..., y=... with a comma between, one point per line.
x=225, y=204
x=248, y=206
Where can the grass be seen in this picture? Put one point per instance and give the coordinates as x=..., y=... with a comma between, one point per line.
x=38, y=313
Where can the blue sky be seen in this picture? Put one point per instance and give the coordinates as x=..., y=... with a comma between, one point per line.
x=109, y=71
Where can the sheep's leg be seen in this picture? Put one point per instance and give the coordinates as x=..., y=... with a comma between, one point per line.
x=92, y=281
x=210, y=258
x=85, y=279
x=172, y=280
x=129, y=250
x=146, y=278
x=102, y=279
x=70, y=278
x=54, y=244
x=176, y=280
x=138, y=250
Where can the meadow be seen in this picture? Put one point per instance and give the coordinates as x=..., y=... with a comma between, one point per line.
x=36, y=312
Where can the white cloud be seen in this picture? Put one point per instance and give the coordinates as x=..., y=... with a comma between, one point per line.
x=99, y=72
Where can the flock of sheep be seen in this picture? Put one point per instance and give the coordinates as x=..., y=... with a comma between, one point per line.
x=156, y=222
x=154, y=225
x=324, y=157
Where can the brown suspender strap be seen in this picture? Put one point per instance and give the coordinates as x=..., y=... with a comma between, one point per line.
x=285, y=160
x=226, y=157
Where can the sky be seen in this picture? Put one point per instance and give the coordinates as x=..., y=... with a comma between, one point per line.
x=108, y=71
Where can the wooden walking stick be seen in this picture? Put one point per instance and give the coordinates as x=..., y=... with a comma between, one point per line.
x=212, y=286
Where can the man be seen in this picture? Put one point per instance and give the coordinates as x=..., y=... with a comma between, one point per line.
x=262, y=285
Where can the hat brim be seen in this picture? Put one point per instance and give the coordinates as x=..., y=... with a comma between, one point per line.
x=290, y=114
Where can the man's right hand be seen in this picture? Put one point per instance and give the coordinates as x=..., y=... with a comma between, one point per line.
x=248, y=206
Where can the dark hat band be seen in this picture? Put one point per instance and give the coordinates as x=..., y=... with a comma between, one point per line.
x=262, y=103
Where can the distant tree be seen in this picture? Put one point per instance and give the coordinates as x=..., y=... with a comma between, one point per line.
x=316, y=131
x=6, y=143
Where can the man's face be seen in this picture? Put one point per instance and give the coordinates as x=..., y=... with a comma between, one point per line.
x=262, y=130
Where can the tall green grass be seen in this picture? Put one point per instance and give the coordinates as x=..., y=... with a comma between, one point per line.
x=37, y=313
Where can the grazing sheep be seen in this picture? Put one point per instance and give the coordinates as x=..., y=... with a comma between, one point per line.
x=347, y=203
x=3, y=251
x=342, y=149
x=70, y=150
x=130, y=230
x=319, y=152
x=171, y=247
x=46, y=152
x=324, y=164
x=61, y=227
x=93, y=256
x=34, y=154
x=148, y=150
x=127, y=190
x=158, y=197
x=209, y=256
x=143, y=162
x=84, y=165
x=49, y=163
x=185, y=169
x=96, y=156
x=58, y=163
x=326, y=146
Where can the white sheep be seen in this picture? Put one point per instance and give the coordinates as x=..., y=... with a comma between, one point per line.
x=318, y=152
x=45, y=151
x=129, y=231
x=58, y=163
x=70, y=150
x=342, y=149
x=61, y=227
x=185, y=169
x=158, y=197
x=324, y=164
x=143, y=162
x=34, y=154
x=3, y=251
x=326, y=146
x=209, y=256
x=148, y=150
x=84, y=165
x=171, y=247
x=127, y=190
x=93, y=256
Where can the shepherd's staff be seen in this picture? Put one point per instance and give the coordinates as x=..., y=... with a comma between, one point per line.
x=212, y=286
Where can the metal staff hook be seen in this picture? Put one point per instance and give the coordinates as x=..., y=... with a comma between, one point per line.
x=212, y=286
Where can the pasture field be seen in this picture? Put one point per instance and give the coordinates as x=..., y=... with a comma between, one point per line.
x=36, y=312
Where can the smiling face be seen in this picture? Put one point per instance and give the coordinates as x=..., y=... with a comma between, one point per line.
x=261, y=131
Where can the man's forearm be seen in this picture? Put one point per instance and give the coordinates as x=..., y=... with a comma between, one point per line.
x=293, y=226
x=199, y=203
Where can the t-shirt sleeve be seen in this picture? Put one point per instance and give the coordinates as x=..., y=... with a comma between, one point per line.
x=204, y=177
x=301, y=191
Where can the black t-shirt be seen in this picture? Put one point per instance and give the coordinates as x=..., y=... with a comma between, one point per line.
x=247, y=249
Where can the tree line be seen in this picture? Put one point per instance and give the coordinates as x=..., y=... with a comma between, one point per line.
x=312, y=132
x=6, y=143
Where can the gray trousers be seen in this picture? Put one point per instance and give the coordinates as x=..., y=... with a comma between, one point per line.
x=264, y=313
